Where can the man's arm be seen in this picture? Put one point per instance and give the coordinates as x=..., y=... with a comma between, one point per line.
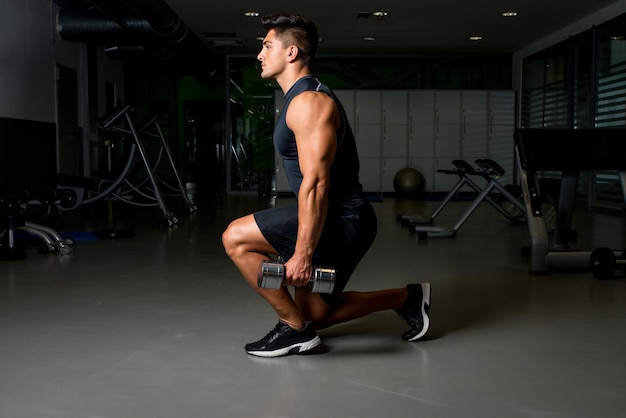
x=313, y=117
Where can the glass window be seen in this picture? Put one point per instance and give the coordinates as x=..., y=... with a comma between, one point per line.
x=582, y=95
x=545, y=97
x=581, y=83
x=611, y=98
x=610, y=101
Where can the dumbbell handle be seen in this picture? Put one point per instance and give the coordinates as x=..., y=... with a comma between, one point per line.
x=271, y=277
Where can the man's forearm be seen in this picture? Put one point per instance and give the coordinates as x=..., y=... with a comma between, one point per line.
x=312, y=211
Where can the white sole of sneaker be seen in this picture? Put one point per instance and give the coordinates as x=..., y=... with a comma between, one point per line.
x=292, y=349
x=425, y=318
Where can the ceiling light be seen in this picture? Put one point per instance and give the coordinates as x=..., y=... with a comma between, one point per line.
x=369, y=38
x=509, y=14
x=379, y=13
x=251, y=14
x=617, y=38
x=475, y=38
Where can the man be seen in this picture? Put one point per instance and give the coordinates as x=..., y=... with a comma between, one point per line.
x=333, y=223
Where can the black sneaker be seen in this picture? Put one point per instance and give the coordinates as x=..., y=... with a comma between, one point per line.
x=283, y=340
x=415, y=311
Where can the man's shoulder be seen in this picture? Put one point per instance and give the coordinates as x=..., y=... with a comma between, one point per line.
x=312, y=97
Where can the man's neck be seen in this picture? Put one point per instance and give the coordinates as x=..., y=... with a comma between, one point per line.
x=288, y=78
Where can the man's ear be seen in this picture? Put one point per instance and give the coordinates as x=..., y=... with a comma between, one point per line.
x=292, y=52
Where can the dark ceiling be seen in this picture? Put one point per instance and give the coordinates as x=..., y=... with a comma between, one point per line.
x=165, y=29
x=410, y=27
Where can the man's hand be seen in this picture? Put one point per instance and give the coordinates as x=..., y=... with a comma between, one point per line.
x=298, y=271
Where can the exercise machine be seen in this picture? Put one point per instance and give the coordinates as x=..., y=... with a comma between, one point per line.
x=152, y=129
x=569, y=151
x=146, y=192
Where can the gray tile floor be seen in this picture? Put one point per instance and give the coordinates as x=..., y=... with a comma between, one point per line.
x=154, y=326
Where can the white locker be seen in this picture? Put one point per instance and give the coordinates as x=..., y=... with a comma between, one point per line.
x=422, y=135
x=346, y=97
x=427, y=168
x=474, y=128
x=395, y=124
x=389, y=169
x=447, y=127
x=368, y=107
x=370, y=174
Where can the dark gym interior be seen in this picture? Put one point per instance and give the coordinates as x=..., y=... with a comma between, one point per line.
x=492, y=139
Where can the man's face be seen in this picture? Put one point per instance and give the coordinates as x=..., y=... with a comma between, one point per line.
x=273, y=56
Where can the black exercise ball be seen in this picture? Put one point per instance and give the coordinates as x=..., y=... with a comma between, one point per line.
x=408, y=182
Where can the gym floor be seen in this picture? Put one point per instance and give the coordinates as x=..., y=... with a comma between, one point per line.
x=154, y=326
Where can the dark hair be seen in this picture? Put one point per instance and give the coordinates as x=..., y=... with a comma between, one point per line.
x=294, y=30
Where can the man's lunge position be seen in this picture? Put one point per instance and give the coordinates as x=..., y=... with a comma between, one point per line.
x=333, y=223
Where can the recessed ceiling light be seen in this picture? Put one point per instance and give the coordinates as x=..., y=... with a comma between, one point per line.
x=251, y=14
x=475, y=38
x=509, y=14
x=369, y=38
x=379, y=13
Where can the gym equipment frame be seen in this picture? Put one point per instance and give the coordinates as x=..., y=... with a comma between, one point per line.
x=491, y=172
x=119, y=120
x=569, y=151
x=464, y=170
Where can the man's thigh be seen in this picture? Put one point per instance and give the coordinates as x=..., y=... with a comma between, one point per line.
x=279, y=227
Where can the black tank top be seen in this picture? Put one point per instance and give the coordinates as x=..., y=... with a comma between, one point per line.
x=344, y=171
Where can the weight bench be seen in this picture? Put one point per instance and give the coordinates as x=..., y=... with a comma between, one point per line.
x=569, y=151
x=491, y=172
x=465, y=172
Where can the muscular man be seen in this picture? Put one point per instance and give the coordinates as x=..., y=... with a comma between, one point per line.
x=333, y=223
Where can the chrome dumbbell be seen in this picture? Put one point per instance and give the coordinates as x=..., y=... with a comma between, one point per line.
x=271, y=277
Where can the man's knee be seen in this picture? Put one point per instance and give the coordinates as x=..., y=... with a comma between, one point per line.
x=231, y=237
x=243, y=235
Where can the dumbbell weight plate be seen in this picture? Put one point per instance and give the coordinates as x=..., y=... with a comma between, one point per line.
x=602, y=263
x=271, y=275
x=323, y=280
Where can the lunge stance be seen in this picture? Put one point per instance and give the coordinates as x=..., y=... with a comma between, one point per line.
x=333, y=223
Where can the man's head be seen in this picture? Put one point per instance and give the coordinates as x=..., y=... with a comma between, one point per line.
x=294, y=30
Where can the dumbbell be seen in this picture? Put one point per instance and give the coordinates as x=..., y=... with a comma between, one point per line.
x=271, y=277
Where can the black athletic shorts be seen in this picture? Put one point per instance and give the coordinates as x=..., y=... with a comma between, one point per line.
x=349, y=232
